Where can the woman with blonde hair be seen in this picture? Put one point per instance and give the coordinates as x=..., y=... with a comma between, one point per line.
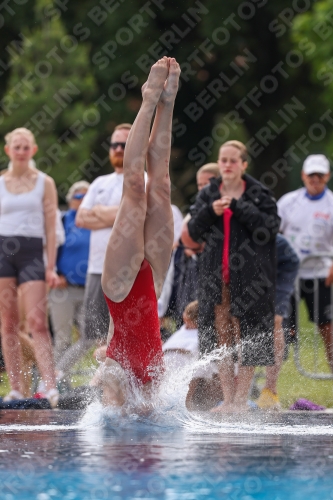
x=28, y=204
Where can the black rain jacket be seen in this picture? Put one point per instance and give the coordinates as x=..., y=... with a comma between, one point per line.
x=252, y=262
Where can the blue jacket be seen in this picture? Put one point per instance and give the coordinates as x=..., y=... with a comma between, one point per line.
x=72, y=260
x=287, y=259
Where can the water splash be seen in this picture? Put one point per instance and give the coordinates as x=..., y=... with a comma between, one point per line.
x=168, y=410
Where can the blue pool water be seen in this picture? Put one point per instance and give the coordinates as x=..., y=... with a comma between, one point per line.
x=67, y=455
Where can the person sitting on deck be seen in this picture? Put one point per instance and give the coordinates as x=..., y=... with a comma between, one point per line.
x=181, y=350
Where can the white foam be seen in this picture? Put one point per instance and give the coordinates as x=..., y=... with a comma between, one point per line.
x=199, y=425
x=34, y=428
x=273, y=430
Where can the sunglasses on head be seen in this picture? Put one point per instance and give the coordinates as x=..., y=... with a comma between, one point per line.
x=114, y=145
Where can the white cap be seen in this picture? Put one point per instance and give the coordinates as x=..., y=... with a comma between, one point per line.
x=316, y=164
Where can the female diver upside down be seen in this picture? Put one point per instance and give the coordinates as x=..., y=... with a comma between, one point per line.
x=140, y=245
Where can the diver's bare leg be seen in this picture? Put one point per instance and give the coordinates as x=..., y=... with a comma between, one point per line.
x=158, y=231
x=125, y=250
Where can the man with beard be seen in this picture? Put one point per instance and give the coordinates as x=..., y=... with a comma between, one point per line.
x=98, y=212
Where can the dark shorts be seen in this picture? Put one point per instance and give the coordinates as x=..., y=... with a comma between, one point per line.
x=284, y=288
x=307, y=289
x=22, y=258
x=282, y=304
x=96, y=316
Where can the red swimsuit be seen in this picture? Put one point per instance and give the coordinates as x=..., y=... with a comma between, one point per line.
x=136, y=343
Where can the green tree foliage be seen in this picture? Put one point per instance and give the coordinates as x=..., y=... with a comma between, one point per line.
x=317, y=27
x=241, y=78
x=245, y=75
x=51, y=92
x=15, y=19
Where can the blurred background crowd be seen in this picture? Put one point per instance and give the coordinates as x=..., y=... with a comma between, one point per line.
x=252, y=72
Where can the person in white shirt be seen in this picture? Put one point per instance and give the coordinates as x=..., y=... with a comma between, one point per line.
x=307, y=222
x=181, y=350
x=97, y=212
x=183, y=345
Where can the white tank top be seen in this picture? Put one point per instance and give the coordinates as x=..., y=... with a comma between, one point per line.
x=22, y=214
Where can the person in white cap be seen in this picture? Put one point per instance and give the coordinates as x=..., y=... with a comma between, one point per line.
x=307, y=222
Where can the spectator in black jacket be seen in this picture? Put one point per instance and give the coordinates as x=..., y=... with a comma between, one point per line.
x=236, y=217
